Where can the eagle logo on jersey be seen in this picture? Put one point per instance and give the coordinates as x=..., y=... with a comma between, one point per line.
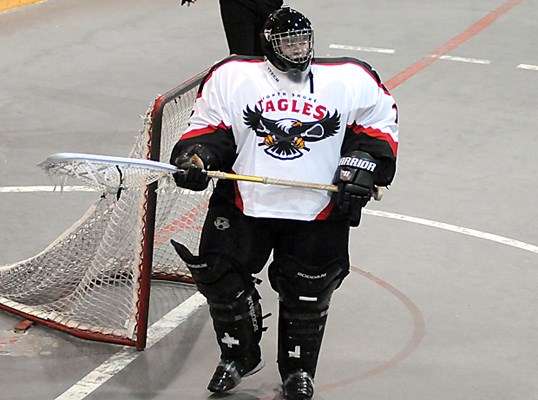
x=286, y=138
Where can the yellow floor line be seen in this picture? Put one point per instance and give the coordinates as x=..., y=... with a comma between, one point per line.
x=9, y=4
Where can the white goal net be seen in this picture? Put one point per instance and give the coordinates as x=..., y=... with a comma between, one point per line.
x=94, y=280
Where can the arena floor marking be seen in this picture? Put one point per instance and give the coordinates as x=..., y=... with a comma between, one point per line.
x=453, y=43
x=122, y=359
x=463, y=59
x=35, y=189
x=528, y=66
x=360, y=48
x=458, y=229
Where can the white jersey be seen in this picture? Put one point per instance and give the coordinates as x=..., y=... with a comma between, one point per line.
x=292, y=131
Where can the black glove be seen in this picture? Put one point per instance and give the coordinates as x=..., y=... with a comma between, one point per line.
x=192, y=160
x=355, y=180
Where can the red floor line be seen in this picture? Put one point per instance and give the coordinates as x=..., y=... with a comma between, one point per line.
x=418, y=332
x=429, y=59
x=416, y=336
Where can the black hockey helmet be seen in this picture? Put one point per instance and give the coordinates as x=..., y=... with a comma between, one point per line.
x=288, y=40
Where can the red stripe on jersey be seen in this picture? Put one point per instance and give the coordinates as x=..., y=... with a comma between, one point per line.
x=324, y=214
x=204, y=131
x=376, y=133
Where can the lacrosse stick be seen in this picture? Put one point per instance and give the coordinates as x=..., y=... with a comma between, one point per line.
x=112, y=174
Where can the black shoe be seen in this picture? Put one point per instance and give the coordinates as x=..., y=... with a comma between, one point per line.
x=228, y=375
x=298, y=386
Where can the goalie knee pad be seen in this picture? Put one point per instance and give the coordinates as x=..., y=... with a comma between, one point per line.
x=304, y=292
x=218, y=278
x=302, y=284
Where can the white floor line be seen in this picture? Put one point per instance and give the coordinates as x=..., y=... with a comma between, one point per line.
x=528, y=66
x=31, y=189
x=463, y=59
x=120, y=360
x=421, y=221
x=359, y=48
x=458, y=229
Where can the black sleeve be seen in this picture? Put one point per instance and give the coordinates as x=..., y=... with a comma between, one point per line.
x=221, y=144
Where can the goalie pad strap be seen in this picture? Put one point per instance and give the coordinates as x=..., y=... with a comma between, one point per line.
x=246, y=306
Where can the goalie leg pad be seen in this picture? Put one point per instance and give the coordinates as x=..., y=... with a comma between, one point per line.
x=234, y=307
x=304, y=293
x=238, y=327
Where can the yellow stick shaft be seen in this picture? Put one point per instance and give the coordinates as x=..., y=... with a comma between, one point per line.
x=271, y=181
x=377, y=194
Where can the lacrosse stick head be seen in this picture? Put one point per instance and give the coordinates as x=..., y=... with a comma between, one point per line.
x=106, y=173
x=107, y=180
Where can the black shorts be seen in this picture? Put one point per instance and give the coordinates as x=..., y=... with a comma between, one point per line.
x=249, y=241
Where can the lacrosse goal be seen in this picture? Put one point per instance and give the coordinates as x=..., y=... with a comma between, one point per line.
x=94, y=280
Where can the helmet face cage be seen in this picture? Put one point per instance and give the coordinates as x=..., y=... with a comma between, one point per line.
x=294, y=46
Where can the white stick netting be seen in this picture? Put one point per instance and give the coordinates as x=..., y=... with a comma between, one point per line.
x=109, y=174
x=89, y=279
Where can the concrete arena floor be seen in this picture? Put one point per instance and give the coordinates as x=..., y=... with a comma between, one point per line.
x=441, y=301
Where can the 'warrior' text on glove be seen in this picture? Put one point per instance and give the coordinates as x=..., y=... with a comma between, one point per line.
x=355, y=180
